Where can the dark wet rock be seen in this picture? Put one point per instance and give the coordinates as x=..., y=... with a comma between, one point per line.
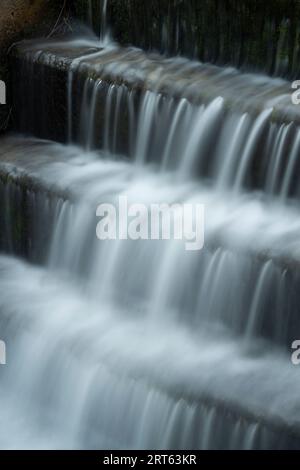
x=23, y=19
x=250, y=34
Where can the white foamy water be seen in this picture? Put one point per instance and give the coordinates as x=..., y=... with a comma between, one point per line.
x=79, y=366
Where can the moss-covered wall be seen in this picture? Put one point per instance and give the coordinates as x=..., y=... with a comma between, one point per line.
x=23, y=19
x=259, y=35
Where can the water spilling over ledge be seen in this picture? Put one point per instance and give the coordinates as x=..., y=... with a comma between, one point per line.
x=125, y=98
x=56, y=198
x=159, y=390
x=140, y=343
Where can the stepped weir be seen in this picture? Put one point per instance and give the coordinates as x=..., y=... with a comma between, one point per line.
x=127, y=344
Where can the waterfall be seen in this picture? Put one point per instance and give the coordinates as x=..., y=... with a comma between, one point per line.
x=127, y=344
x=186, y=108
x=182, y=116
x=112, y=348
x=97, y=18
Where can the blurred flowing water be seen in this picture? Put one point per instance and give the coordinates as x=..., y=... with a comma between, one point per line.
x=142, y=344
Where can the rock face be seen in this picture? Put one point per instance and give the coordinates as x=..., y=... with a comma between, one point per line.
x=22, y=19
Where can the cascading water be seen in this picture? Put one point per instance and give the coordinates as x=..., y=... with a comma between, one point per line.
x=105, y=37
x=182, y=121
x=142, y=344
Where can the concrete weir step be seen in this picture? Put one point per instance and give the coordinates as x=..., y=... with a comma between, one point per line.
x=42, y=79
x=43, y=183
x=39, y=165
x=111, y=98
